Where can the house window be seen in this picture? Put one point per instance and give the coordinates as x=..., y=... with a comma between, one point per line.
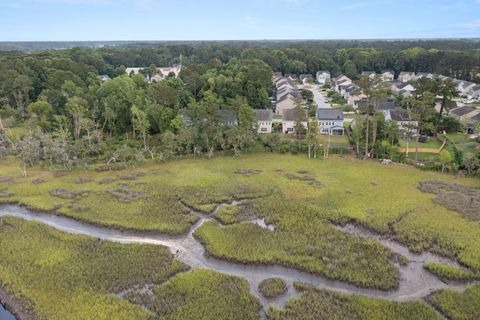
x=264, y=130
x=289, y=129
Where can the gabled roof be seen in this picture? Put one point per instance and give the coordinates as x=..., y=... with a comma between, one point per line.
x=407, y=73
x=461, y=111
x=289, y=115
x=227, y=116
x=388, y=105
x=264, y=115
x=322, y=72
x=351, y=88
x=400, y=115
x=368, y=73
x=329, y=114
x=388, y=71
x=476, y=88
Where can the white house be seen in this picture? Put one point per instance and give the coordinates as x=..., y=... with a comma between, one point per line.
x=288, y=122
x=370, y=74
x=341, y=80
x=474, y=92
x=103, y=78
x=403, y=119
x=264, y=121
x=406, y=76
x=161, y=74
x=388, y=75
x=330, y=121
x=323, y=77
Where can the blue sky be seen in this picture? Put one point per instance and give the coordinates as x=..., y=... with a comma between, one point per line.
x=64, y=20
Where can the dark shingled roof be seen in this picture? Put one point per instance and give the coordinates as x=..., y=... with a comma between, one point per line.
x=227, y=116
x=329, y=114
x=400, y=115
x=264, y=115
x=462, y=111
x=388, y=105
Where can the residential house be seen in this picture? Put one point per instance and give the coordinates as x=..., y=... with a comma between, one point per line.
x=464, y=87
x=370, y=74
x=161, y=74
x=289, y=121
x=264, y=121
x=388, y=105
x=406, y=76
x=286, y=94
x=306, y=77
x=330, y=121
x=403, y=119
x=474, y=92
x=402, y=88
x=468, y=116
x=341, y=80
x=103, y=78
x=323, y=77
x=227, y=117
x=421, y=75
x=352, y=93
x=388, y=75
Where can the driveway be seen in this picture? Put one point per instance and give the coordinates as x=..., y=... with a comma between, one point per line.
x=317, y=96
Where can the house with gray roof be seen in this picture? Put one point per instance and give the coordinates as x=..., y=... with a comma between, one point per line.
x=264, y=121
x=403, y=120
x=227, y=117
x=330, y=121
x=289, y=121
x=323, y=77
x=370, y=74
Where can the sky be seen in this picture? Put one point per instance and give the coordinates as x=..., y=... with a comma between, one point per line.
x=84, y=20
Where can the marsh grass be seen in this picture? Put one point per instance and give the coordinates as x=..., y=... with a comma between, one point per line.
x=65, y=276
x=324, y=304
x=458, y=306
x=201, y=295
x=447, y=272
x=273, y=288
x=301, y=212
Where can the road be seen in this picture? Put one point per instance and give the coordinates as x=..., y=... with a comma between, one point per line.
x=317, y=96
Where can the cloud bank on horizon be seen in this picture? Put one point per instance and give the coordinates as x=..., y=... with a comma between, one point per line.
x=68, y=20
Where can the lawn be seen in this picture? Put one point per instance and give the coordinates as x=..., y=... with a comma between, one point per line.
x=463, y=142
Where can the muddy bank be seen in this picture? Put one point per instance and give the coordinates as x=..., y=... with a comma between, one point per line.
x=415, y=282
x=15, y=309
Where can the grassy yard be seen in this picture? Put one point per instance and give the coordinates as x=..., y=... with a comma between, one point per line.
x=463, y=142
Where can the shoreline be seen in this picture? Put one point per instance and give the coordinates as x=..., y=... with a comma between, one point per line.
x=15, y=306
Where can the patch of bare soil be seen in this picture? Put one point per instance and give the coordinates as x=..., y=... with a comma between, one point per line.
x=107, y=180
x=68, y=194
x=247, y=172
x=61, y=173
x=77, y=208
x=6, y=179
x=132, y=176
x=6, y=194
x=456, y=197
x=126, y=195
x=82, y=180
x=111, y=167
x=38, y=181
x=305, y=177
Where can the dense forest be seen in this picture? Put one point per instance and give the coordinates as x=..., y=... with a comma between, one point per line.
x=57, y=95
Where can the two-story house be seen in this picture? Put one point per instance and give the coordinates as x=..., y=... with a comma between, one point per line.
x=330, y=121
